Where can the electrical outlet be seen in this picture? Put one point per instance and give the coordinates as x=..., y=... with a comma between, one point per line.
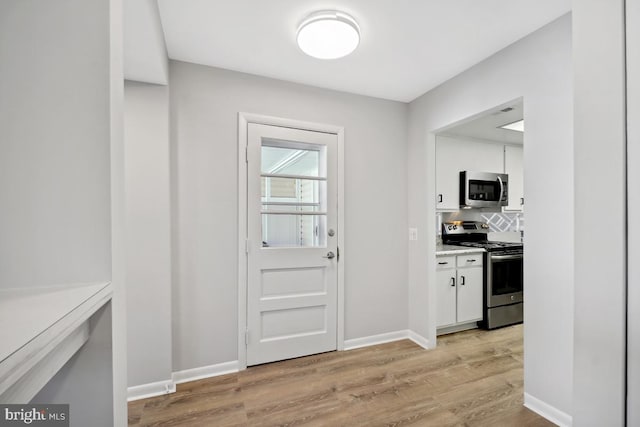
x=413, y=234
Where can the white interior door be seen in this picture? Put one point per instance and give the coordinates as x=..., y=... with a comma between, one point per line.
x=292, y=243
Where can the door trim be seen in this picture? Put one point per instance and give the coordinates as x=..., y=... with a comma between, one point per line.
x=243, y=121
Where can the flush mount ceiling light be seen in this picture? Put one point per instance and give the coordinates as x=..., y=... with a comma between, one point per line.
x=328, y=34
x=517, y=126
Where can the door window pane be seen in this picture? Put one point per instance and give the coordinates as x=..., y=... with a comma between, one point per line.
x=290, y=161
x=278, y=188
x=287, y=230
x=293, y=194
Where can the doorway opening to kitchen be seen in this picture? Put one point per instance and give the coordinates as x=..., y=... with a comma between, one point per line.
x=479, y=219
x=290, y=292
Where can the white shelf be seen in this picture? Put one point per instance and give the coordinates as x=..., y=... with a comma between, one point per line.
x=40, y=329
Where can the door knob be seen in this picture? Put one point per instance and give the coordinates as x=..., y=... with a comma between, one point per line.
x=330, y=255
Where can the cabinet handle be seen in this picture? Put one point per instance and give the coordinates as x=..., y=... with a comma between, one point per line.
x=453, y=281
x=439, y=198
x=443, y=263
x=471, y=260
x=521, y=201
x=462, y=281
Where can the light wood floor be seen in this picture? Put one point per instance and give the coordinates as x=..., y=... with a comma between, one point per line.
x=473, y=378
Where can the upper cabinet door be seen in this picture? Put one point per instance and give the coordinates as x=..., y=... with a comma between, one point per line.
x=513, y=166
x=454, y=155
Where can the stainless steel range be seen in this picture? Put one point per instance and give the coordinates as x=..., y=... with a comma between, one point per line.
x=503, y=279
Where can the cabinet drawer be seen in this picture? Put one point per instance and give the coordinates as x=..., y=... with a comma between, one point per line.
x=445, y=262
x=469, y=260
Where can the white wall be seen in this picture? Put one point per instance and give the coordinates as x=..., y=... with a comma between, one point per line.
x=60, y=113
x=145, y=52
x=600, y=264
x=204, y=111
x=118, y=266
x=537, y=68
x=148, y=243
x=632, y=8
x=54, y=131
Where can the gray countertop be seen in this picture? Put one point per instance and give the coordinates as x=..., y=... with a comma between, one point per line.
x=456, y=250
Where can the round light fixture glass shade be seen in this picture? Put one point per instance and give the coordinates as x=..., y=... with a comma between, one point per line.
x=328, y=35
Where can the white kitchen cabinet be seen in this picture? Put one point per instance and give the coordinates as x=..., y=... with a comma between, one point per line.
x=454, y=155
x=459, y=290
x=446, y=291
x=469, y=288
x=513, y=166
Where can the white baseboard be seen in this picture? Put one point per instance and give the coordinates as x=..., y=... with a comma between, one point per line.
x=205, y=372
x=165, y=387
x=375, y=339
x=420, y=340
x=547, y=411
x=150, y=390
x=385, y=338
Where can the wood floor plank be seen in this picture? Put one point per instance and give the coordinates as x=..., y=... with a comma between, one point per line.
x=135, y=412
x=474, y=378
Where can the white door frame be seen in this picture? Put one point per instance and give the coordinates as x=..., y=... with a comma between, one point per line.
x=633, y=209
x=243, y=120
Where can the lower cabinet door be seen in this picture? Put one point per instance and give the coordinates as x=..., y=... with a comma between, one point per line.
x=446, y=297
x=469, y=294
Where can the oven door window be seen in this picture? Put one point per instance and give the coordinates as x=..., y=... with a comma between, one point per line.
x=506, y=275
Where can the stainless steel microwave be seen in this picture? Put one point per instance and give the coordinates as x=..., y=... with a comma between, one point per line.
x=483, y=189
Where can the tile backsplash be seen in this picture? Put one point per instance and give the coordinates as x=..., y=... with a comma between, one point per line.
x=504, y=221
x=498, y=221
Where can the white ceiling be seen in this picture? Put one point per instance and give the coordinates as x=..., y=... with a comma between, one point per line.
x=407, y=47
x=487, y=125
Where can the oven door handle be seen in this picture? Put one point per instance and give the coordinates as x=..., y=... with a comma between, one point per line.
x=505, y=257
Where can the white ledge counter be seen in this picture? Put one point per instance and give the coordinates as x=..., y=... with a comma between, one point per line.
x=40, y=330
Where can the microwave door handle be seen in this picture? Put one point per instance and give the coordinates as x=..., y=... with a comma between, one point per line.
x=501, y=190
